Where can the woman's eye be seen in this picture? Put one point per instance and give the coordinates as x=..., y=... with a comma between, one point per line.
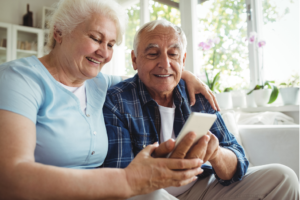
x=110, y=45
x=96, y=40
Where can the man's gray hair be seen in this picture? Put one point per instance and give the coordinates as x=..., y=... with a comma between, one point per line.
x=69, y=13
x=150, y=26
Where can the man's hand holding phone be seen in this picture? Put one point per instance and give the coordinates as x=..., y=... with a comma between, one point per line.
x=206, y=148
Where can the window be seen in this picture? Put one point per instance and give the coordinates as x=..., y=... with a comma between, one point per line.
x=222, y=30
x=132, y=26
x=157, y=11
x=225, y=26
x=281, y=33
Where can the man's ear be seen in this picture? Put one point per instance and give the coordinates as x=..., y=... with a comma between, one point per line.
x=133, y=60
x=57, y=35
x=183, y=61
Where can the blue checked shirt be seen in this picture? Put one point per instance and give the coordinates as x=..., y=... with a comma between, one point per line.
x=132, y=121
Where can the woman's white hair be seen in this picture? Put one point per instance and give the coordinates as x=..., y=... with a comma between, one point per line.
x=69, y=13
x=150, y=26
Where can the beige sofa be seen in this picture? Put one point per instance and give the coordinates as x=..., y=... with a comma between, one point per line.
x=265, y=144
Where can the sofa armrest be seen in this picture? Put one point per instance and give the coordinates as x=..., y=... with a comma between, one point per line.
x=267, y=144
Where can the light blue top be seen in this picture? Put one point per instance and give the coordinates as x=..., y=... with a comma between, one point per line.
x=65, y=136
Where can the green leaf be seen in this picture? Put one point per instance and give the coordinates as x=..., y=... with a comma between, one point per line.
x=267, y=83
x=217, y=88
x=274, y=94
x=215, y=81
x=257, y=87
x=208, y=82
x=228, y=89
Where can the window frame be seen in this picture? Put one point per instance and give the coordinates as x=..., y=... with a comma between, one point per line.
x=255, y=24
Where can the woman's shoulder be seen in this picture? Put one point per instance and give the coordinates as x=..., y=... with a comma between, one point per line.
x=25, y=75
x=27, y=67
x=22, y=87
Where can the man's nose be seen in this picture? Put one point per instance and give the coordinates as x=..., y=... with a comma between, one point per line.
x=164, y=61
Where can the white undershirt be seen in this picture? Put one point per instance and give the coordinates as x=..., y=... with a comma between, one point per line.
x=80, y=93
x=167, y=116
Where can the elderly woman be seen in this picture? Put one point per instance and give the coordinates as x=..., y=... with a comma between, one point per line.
x=51, y=120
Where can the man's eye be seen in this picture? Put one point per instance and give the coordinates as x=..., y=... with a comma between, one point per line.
x=152, y=56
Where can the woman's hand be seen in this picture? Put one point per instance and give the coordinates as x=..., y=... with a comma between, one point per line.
x=146, y=174
x=196, y=86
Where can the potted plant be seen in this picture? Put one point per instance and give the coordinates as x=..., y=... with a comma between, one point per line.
x=290, y=90
x=224, y=99
x=265, y=94
x=238, y=98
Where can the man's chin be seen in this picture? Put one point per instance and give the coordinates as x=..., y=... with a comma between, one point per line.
x=165, y=90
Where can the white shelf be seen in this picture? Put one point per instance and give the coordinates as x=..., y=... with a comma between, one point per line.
x=16, y=34
x=6, y=52
x=29, y=34
x=26, y=51
x=283, y=108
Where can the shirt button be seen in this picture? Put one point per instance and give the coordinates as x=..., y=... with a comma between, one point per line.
x=93, y=152
x=144, y=146
x=95, y=132
x=87, y=115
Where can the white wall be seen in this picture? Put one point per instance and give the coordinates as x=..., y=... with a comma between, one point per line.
x=12, y=11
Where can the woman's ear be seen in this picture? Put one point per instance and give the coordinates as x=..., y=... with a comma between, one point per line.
x=57, y=35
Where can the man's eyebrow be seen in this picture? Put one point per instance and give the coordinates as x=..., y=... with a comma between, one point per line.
x=176, y=46
x=150, y=46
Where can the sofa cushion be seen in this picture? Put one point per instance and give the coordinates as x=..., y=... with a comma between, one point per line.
x=230, y=122
x=268, y=144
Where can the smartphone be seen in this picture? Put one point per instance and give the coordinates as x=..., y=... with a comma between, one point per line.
x=200, y=123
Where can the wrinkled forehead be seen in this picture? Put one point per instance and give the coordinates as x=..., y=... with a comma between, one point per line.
x=160, y=37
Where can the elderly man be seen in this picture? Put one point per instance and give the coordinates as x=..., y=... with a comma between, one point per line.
x=153, y=107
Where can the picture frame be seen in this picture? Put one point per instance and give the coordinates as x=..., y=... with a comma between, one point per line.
x=46, y=12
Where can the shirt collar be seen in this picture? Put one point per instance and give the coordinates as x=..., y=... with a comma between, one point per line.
x=142, y=90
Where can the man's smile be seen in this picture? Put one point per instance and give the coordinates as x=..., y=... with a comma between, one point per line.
x=162, y=75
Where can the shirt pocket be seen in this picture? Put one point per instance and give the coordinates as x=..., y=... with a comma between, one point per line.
x=141, y=134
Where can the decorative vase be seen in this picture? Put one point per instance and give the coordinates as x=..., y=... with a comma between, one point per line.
x=238, y=99
x=27, y=18
x=290, y=95
x=250, y=100
x=224, y=100
x=262, y=96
